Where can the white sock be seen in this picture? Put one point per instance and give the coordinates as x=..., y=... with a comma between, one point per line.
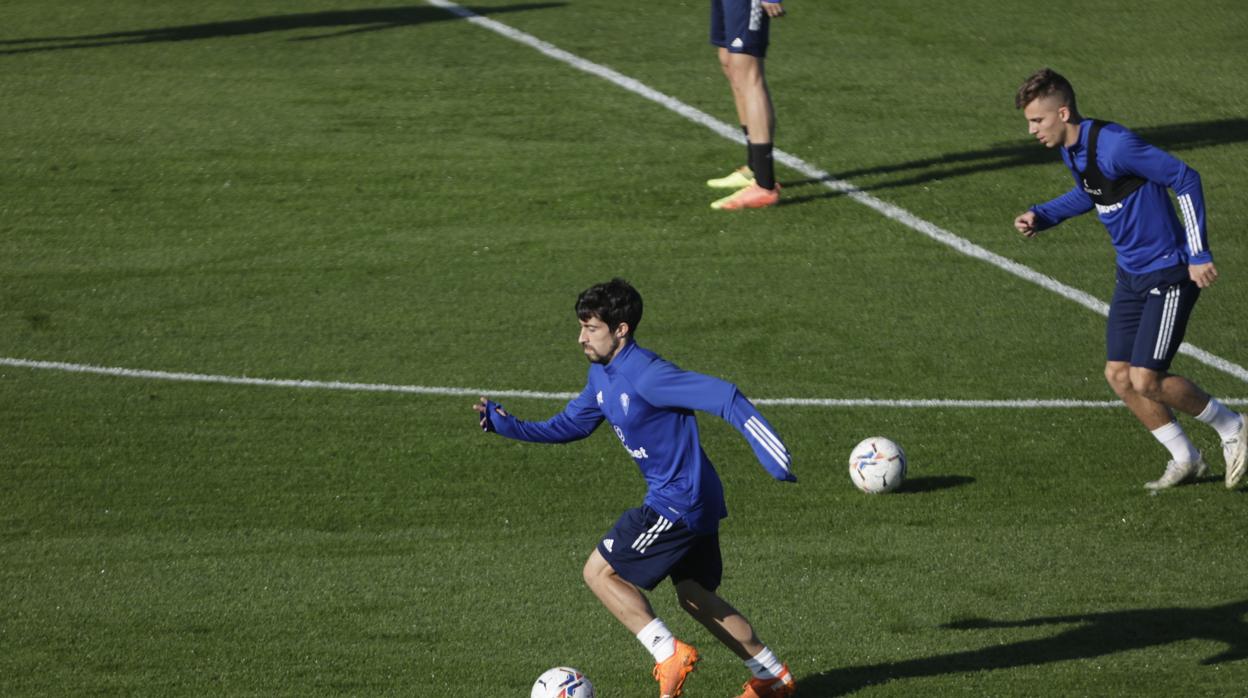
x=1219, y=417
x=658, y=639
x=764, y=665
x=1173, y=438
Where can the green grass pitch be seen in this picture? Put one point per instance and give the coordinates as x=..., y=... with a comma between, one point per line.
x=335, y=190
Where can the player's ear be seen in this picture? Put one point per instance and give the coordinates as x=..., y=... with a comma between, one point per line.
x=1063, y=113
x=622, y=330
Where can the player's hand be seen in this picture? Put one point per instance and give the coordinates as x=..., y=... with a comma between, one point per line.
x=481, y=407
x=1203, y=274
x=1026, y=224
x=773, y=9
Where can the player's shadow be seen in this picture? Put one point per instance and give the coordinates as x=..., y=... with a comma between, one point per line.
x=932, y=483
x=322, y=25
x=1173, y=137
x=1090, y=635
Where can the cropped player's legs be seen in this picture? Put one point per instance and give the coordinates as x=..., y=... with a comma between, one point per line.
x=1175, y=392
x=738, y=97
x=674, y=660
x=622, y=598
x=1147, y=321
x=742, y=176
x=740, y=29
x=745, y=72
x=637, y=553
x=771, y=678
x=725, y=622
x=752, y=97
x=1151, y=413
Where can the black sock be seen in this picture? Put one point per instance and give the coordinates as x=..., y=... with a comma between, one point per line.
x=762, y=165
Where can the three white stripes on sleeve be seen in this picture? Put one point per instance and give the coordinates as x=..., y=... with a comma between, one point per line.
x=1191, y=225
x=769, y=441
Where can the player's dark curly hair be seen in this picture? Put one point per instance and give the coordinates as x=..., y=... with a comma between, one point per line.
x=612, y=302
x=1044, y=83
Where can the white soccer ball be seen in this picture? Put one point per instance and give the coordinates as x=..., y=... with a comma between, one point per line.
x=877, y=465
x=562, y=682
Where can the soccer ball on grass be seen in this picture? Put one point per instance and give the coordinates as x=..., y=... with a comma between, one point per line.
x=877, y=465
x=562, y=682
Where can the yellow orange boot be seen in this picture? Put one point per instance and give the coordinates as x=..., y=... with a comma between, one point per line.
x=671, y=672
x=781, y=687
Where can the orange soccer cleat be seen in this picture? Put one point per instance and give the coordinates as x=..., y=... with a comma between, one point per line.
x=770, y=688
x=752, y=196
x=671, y=672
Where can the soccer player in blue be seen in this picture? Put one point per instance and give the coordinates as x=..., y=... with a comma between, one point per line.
x=1163, y=262
x=740, y=29
x=650, y=404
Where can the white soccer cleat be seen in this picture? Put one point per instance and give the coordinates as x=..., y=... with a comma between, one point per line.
x=1235, y=450
x=1178, y=473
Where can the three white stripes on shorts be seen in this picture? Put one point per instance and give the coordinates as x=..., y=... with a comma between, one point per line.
x=650, y=536
x=1166, y=331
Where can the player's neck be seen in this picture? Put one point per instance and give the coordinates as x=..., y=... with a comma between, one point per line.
x=1072, y=129
x=619, y=349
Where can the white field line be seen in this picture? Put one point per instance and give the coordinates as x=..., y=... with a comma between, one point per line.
x=474, y=392
x=884, y=208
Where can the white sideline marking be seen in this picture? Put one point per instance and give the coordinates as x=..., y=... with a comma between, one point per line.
x=884, y=208
x=474, y=392
x=270, y=382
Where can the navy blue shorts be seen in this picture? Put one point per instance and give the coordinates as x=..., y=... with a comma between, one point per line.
x=644, y=547
x=741, y=26
x=1148, y=317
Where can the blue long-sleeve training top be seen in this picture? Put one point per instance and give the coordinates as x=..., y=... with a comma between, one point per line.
x=1146, y=233
x=649, y=403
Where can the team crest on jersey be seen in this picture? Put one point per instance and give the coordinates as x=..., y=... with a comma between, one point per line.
x=600, y=398
x=624, y=402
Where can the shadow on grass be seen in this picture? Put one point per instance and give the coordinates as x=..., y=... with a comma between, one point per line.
x=1092, y=635
x=1188, y=136
x=921, y=485
x=331, y=24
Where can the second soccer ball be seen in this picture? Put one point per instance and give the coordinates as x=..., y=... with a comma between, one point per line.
x=562, y=682
x=877, y=465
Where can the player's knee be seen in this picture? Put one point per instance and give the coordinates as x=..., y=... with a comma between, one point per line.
x=1146, y=383
x=593, y=570
x=1119, y=378
x=744, y=70
x=750, y=84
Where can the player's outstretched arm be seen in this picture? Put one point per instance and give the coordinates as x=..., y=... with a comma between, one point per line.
x=1075, y=202
x=665, y=385
x=768, y=448
x=577, y=420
